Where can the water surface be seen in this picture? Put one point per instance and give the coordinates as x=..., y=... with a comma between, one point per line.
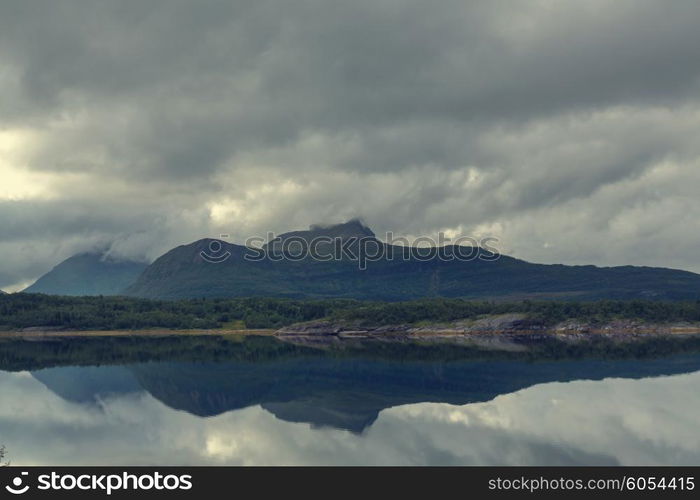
x=257, y=402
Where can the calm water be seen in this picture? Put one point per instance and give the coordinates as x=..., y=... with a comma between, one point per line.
x=265, y=404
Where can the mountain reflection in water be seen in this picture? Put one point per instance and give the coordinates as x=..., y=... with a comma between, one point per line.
x=348, y=393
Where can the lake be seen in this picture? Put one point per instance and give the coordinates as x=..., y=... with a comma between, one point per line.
x=259, y=401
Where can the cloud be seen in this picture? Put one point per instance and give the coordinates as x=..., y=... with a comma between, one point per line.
x=248, y=116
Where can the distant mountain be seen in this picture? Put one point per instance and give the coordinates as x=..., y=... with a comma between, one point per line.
x=213, y=268
x=88, y=274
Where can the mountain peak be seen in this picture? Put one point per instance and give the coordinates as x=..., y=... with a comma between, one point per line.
x=352, y=228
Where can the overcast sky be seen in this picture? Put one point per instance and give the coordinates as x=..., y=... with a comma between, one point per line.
x=569, y=130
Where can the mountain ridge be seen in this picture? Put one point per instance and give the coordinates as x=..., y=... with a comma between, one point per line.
x=214, y=268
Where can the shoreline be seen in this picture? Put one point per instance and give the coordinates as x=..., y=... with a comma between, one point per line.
x=384, y=333
x=503, y=324
x=37, y=349
x=507, y=328
x=508, y=332
x=154, y=332
x=501, y=340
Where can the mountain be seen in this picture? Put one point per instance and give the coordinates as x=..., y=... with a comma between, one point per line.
x=213, y=268
x=352, y=228
x=88, y=274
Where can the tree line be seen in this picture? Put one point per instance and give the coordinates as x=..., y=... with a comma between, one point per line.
x=18, y=311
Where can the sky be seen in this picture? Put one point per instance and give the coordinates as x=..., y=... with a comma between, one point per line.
x=567, y=130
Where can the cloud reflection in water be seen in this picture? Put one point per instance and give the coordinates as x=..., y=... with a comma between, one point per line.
x=646, y=421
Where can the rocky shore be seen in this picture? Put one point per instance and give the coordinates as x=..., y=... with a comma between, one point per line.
x=508, y=331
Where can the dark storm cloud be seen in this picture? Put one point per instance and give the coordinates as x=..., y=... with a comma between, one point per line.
x=363, y=61
x=418, y=116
